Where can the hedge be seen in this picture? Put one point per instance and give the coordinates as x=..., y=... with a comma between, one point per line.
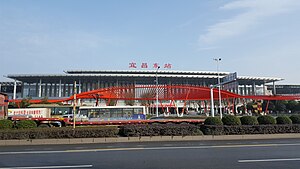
x=213, y=121
x=249, y=120
x=283, y=120
x=247, y=129
x=159, y=130
x=266, y=120
x=295, y=119
x=24, y=124
x=231, y=120
x=6, y=124
x=59, y=133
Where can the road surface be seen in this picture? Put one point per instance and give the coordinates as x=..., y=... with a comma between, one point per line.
x=243, y=154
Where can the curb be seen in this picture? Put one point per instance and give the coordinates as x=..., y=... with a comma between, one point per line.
x=146, y=139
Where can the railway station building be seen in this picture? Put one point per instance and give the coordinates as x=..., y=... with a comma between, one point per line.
x=53, y=86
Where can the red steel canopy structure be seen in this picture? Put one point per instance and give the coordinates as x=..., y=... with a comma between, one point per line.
x=165, y=92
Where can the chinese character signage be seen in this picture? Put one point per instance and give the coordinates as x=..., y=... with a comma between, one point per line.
x=134, y=65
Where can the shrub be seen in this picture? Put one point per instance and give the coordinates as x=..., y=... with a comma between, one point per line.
x=231, y=120
x=212, y=129
x=6, y=124
x=159, y=130
x=60, y=133
x=249, y=120
x=213, y=121
x=283, y=120
x=295, y=119
x=266, y=120
x=24, y=124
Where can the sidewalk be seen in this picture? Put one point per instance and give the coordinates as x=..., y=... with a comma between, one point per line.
x=145, y=139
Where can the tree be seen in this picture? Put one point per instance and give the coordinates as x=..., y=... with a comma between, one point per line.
x=280, y=106
x=250, y=106
x=24, y=103
x=271, y=106
x=146, y=98
x=130, y=100
x=111, y=102
x=291, y=105
x=45, y=100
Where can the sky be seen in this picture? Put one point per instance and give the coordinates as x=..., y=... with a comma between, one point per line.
x=252, y=37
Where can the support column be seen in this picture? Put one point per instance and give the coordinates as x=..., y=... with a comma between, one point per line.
x=36, y=89
x=64, y=91
x=69, y=90
x=79, y=88
x=264, y=88
x=274, y=88
x=254, y=88
x=50, y=90
x=55, y=90
x=22, y=90
x=40, y=88
x=79, y=91
x=46, y=94
x=59, y=90
x=15, y=90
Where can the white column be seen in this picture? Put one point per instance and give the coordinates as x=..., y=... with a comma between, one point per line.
x=79, y=91
x=264, y=88
x=254, y=88
x=212, y=106
x=59, y=90
x=40, y=88
x=274, y=88
x=15, y=90
x=79, y=84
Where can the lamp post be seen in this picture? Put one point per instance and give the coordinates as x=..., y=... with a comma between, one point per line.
x=74, y=106
x=156, y=81
x=212, y=106
x=219, y=85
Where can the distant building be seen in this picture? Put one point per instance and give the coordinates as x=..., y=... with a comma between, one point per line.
x=62, y=85
x=285, y=89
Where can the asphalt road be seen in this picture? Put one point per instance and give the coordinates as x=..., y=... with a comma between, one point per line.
x=249, y=154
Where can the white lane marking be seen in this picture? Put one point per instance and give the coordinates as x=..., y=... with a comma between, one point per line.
x=269, y=160
x=148, y=148
x=40, y=167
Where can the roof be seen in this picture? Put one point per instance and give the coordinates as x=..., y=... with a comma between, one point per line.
x=72, y=76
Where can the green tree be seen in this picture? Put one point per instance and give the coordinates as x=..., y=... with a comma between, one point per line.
x=280, y=106
x=24, y=103
x=271, y=106
x=291, y=105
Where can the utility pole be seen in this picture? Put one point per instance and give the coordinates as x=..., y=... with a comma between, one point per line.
x=219, y=86
x=74, y=106
x=156, y=80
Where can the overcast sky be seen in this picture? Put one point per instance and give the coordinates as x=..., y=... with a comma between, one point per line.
x=253, y=37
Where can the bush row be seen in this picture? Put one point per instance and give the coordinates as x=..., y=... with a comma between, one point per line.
x=57, y=133
x=247, y=129
x=145, y=130
x=8, y=124
x=252, y=120
x=160, y=130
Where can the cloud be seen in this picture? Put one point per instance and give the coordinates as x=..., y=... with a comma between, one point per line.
x=254, y=12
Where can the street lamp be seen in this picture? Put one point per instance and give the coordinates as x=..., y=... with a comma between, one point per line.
x=219, y=85
x=156, y=81
x=212, y=106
